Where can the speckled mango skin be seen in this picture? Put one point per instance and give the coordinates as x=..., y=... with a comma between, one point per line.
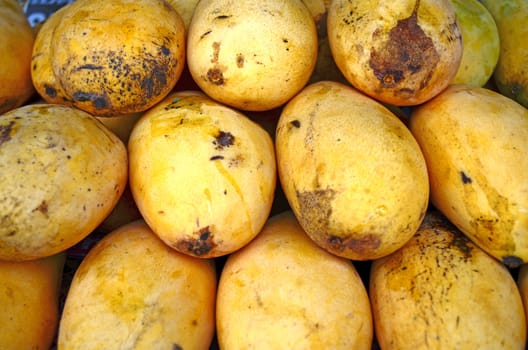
x=202, y=174
x=511, y=73
x=132, y=291
x=251, y=55
x=399, y=52
x=61, y=173
x=282, y=291
x=15, y=47
x=352, y=172
x=475, y=143
x=29, y=302
x=113, y=57
x=481, y=43
x=441, y=291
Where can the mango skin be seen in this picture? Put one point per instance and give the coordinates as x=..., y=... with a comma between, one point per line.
x=251, y=55
x=475, y=142
x=133, y=291
x=330, y=140
x=202, y=174
x=481, y=43
x=522, y=284
x=114, y=58
x=282, y=291
x=29, y=302
x=441, y=291
x=15, y=56
x=401, y=53
x=61, y=173
x=511, y=73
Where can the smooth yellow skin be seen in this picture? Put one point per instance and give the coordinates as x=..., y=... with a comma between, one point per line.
x=118, y=57
x=475, y=143
x=252, y=55
x=202, y=174
x=399, y=52
x=511, y=72
x=61, y=173
x=352, y=172
x=15, y=56
x=282, y=291
x=481, y=43
x=441, y=291
x=29, y=302
x=132, y=291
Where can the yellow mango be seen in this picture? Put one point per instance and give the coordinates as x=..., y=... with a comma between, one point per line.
x=29, y=302
x=352, y=172
x=132, y=291
x=475, y=143
x=399, y=52
x=61, y=173
x=253, y=55
x=282, y=291
x=202, y=174
x=441, y=291
x=16, y=47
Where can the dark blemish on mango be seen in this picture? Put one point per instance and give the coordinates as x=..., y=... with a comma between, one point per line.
x=88, y=66
x=200, y=246
x=216, y=157
x=362, y=245
x=176, y=347
x=43, y=208
x=165, y=50
x=5, y=132
x=459, y=241
x=407, y=51
x=222, y=17
x=99, y=101
x=316, y=209
x=512, y=261
x=50, y=91
x=223, y=139
x=156, y=82
x=295, y=123
x=205, y=34
x=240, y=60
x=465, y=179
x=215, y=76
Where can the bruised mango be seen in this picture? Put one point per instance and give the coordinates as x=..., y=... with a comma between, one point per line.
x=352, y=172
x=399, y=52
x=202, y=174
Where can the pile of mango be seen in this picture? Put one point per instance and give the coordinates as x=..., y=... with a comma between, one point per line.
x=264, y=175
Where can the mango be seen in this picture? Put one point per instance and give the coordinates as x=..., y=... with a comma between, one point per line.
x=441, y=291
x=475, y=142
x=282, y=291
x=352, y=172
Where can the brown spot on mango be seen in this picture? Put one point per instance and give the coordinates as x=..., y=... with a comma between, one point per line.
x=315, y=209
x=215, y=76
x=5, y=132
x=223, y=139
x=200, y=246
x=361, y=245
x=408, y=51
